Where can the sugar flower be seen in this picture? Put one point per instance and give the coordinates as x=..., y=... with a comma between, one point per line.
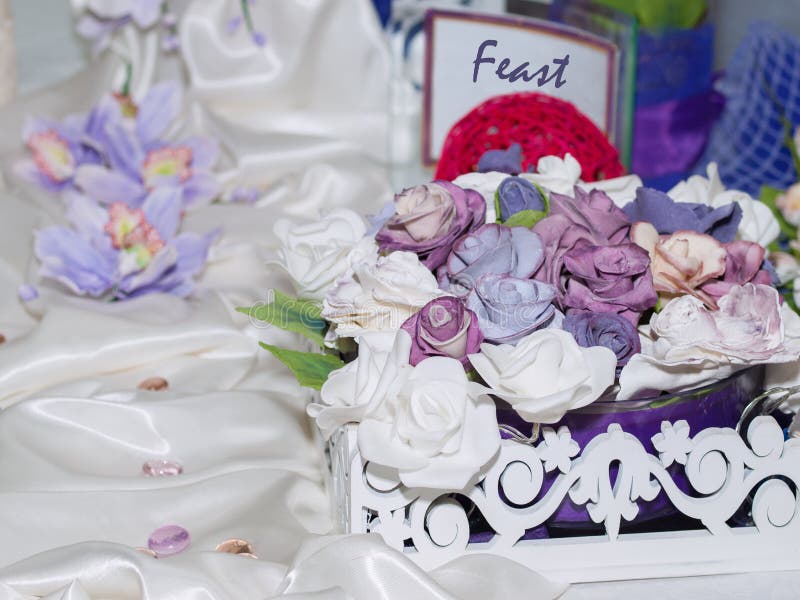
x=789, y=204
x=589, y=217
x=682, y=262
x=668, y=216
x=443, y=327
x=502, y=161
x=689, y=344
x=117, y=252
x=139, y=161
x=611, y=279
x=516, y=194
x=438, y=431
x=743, y=264
x=361, y=386
x=604, y=329
x=758, y=224
x=494, y=249
x=429, y=218
x=379, y=294
x=546, y=374
x=509, y=308
x=315, y=254
x=58, y=148
x=101, y=18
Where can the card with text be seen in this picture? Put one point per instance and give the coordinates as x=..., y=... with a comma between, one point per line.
x=472, y=57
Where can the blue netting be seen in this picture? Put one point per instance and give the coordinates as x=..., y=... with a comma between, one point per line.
x=748, y=141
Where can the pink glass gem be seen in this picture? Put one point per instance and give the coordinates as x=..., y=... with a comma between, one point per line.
x=168, y=540
x=161, y=468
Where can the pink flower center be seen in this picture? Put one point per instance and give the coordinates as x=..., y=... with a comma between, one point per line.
x=52, y=155
x=130, y=231
x=167, y=165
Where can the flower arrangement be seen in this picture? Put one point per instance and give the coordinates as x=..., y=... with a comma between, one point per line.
x=534, y=289
x=125, y=189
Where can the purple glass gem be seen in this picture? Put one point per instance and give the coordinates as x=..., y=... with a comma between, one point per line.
x=161, y=468
x=168, y=540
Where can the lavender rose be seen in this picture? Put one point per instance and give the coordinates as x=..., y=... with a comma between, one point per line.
x=605, y=329
x=443, y=327
x=590, y=217
x=668, y=216
x=429, y=218
x=615, y=279
x=504, y=161
x=744, y=263
x=491, y=248
x=516, y=194
x=508, y=308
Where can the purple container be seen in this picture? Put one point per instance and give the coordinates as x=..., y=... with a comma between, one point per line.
x=717, y=405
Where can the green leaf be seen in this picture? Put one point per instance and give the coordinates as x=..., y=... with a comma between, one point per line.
x=769, y=196
x=658, y=14
x=291, y=314
x=525, y=218
x=310, y=368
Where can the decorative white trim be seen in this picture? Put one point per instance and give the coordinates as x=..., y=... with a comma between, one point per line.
x=433, y=528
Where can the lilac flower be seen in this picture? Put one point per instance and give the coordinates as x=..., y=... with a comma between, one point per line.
x=443, y=327
x=615, y=278
x=516, y=194
x=508, y=308
x=58, y=149
x=429, y=218
x=140, y=161
x=104, y=17
x=504, y=161
x=668, y=216
x=604, y=329
x=491, y=248
x=117, y=252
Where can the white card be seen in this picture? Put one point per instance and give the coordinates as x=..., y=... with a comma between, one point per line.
x=472, y=57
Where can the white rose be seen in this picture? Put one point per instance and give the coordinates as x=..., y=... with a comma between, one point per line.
x=362, y=385
x=786, y=267
x=438, y=431
x=546, y=374
x=486, y=185
x=315, y=254
x=380, y=294
x=690, y=345
x=758, y=223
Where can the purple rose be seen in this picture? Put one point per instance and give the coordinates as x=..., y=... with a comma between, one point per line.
x=589, y=217
x=491, y=248
x=503, y=161
x=508, y=308
x=516, y=194
x=443, y=327
x=744, y=263
x=429, y=218
x=605, y=329
x=668, y=216
x=614, y=279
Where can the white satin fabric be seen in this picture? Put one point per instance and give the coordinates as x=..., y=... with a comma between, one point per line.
x=303, y=120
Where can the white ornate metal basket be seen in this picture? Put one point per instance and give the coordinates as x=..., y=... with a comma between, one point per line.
x=742, y=501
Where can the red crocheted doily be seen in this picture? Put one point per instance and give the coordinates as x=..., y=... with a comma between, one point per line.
x=541, y=124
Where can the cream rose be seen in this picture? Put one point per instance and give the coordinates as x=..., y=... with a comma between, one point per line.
x=546, y=374
x=438, y=431
x=680, y=262
x=379, y=294
x=361, y=386
x=315, y=254
x=758, y=224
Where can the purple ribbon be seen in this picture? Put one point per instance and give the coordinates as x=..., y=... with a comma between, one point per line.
x=670, y=137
